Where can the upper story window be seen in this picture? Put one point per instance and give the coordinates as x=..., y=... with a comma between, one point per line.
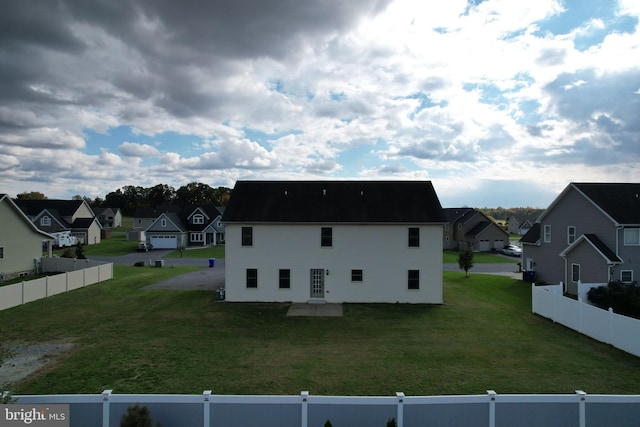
x=198, y=219
x=326, y=236
x=247, y=236
x=414, y=237
x=547, y=233
x=45, y=221
x=632, y=236
x=571, y=234
x=356, y=275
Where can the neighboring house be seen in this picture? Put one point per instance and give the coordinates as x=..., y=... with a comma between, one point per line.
x=144, y=217
x=109, y=217
x=590, y=233
x=196, y=226
x=21, y=242
x=334, y=241
x=51, y=216
x=520, y=226
x=468, y=228
x=205, y=226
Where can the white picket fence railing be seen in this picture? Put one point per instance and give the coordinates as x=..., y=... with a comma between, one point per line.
x=489, y=410
x=603, y=325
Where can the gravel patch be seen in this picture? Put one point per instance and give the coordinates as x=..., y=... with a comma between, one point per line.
x=27, y=359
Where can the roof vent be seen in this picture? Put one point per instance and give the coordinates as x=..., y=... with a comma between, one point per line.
x=286, y=193
x=324, y=191
x=362, y=192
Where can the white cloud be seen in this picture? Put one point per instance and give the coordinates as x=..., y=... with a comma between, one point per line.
x=134, y=149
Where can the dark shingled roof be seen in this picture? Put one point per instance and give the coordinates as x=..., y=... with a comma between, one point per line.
x=621, y=201
x=458, y=214
x=479, y=228
x=533, y=235
x=604, y=249
x=34, y=207
x=334, y=202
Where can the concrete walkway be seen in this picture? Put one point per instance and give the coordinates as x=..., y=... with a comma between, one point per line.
x=315, y=310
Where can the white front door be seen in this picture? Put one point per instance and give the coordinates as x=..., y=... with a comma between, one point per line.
x=317, y=283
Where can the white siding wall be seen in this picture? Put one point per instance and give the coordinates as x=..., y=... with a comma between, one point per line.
x=381, y=251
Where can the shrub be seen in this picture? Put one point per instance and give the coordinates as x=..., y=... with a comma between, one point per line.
x=139, y=264
x=391, y=422
x=68, y=253
x=328, y=424
x=136, y=416
x=623, y=298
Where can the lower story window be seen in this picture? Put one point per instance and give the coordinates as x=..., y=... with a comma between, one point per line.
x=285, y=278
x=626, y=276
x=413, y=279
x=575, y=272
x=252, y=277
x=197, y=237
x=356, y=275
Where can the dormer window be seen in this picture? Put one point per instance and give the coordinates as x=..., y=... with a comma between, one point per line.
x=45, y=221
x=198, y=219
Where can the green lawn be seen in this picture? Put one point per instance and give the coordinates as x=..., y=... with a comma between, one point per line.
x=451, y=257
x=483, y=337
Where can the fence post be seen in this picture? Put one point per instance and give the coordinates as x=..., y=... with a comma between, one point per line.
x=611, y=327
x=207, y=407
x=106, y=394
x=582, y=413
x=305, y=397
x=400, y=410
x=492, y=407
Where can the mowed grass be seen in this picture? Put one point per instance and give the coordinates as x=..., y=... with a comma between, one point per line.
x=206, y=252
x=139, y=341
x=451, y=257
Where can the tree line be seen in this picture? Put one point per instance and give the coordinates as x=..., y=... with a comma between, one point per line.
x=132, y=197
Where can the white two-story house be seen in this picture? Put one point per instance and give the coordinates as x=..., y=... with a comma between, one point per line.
x=334, y=242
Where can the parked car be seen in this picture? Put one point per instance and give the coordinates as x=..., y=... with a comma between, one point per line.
x=144, y=247
x=512, y=250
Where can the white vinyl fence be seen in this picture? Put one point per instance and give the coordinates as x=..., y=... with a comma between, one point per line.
x=603, y=325
x=78, y=274
x=305, y=410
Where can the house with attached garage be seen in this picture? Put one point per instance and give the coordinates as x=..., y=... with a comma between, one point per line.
x=590, y=233
x=334, y=242
x=73, y=216
x=468, y=228
x=21, y=242
x=193, y=226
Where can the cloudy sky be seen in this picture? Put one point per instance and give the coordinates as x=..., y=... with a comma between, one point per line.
x=497, y=102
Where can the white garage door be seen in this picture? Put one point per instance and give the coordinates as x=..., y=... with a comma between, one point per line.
x=485, y=245
x=164, y=242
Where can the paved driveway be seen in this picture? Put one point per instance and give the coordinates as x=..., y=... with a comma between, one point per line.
x=204, y=279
